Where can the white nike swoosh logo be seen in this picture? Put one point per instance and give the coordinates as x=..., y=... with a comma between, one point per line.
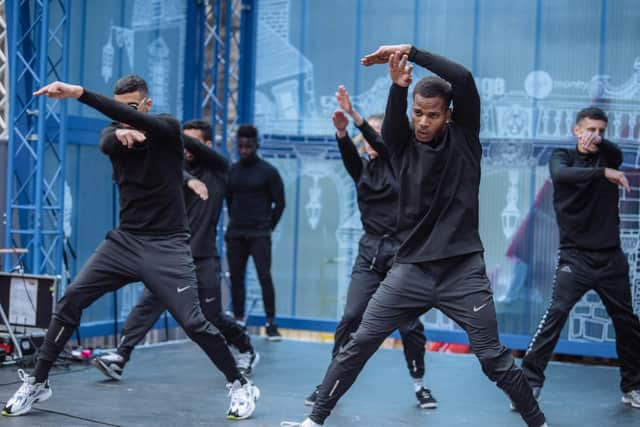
x=183, y=289
x=208, y=300
x=477, y=309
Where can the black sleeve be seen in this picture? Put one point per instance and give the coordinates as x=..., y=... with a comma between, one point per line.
x=186, y=177
x=612, y=154
x=396, y=131
x=205, y=154
x=374, y=139
x=164, y=126
x=561, y=170
x=350, y=157
x=276, y=188
x=109, y=144
x=466, y=100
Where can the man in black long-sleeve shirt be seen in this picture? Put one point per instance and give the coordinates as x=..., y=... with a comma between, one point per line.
x=440, y=262
x=585, y=183
x=255, y=200
x=150, y=245
x=377, y=193
x=210, y=168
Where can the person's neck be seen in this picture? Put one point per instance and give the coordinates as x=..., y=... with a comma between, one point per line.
x=249, y=160
x=582, y=151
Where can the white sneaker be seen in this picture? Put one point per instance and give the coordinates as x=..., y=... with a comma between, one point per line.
x=247, y=361
x=110, y=364
x=243, y=400
x=305, y=423
x=29, y=393
x=632, y=398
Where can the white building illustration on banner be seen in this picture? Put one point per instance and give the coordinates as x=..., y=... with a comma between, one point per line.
x=149, y=17
x=514, y=121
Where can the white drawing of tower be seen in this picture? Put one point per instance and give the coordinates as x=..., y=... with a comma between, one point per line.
x=511, y=213
x=158, y=73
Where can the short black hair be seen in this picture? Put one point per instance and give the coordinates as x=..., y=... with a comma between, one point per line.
x=434, y=87
x=248, y=131
x=593, y=113
x=131, y=83
x=200, y=125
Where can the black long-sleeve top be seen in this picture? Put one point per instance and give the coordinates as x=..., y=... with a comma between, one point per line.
x=149, y=176
x=211, y=168
x=586, y=203
x=255, y=198
x=438, y=182
x=375, y=182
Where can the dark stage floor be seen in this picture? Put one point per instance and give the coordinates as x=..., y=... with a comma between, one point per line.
x=175, y=385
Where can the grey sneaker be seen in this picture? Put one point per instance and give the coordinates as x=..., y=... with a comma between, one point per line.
x=632, y=398
x=110, y=364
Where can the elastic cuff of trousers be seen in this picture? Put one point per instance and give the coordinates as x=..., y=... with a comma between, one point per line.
x=243, y=348
x=316, y=420
x=232, y=378
x=537, y=421
x=125, y=352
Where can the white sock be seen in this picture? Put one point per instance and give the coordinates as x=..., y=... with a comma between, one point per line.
x=418, y=384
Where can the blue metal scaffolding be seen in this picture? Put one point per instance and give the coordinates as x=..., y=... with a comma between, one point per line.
x=228, y=59
x=227, y=66
x=38, y=53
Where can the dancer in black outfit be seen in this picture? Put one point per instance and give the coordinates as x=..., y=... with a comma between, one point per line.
x=440, y=262
x=209, y=168
x=377, y=197
x=255, y=201
x=150, y=245
x=585, y=184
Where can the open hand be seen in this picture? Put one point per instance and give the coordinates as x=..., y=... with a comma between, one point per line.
x=589, y=141
x=617, y=177
x=60, y=90
x=340, y=121
x=129, y=137
x=199, y=188
x=383, y=53
x=342, y=96
x=399, y=71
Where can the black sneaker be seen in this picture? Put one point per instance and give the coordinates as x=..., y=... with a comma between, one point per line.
x=536, y=395
x=311, y=399
x=426, y=399
x=110, y=364
x=272, y=333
